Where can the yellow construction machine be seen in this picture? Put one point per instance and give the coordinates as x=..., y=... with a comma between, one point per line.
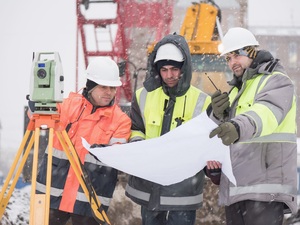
x=202, y=30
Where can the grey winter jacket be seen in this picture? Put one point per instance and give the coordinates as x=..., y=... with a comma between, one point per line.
x=264, y=160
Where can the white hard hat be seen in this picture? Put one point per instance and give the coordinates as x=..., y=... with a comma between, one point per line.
x=237, y=38
x=169, y=51
x=104, y=71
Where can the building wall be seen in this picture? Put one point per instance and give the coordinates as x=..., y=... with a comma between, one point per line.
x=287, y=49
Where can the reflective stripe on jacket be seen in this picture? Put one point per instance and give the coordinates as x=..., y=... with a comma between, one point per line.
x=264, y=160
x=105, y=125
x=186, y=195
x=152, y=105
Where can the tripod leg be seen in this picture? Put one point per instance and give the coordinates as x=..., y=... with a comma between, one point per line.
x=33, y=177
x=40, y=203
x=76, y=166
x=4, y=199
x=49, y=172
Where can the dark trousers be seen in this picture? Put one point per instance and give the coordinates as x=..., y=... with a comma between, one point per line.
x=57, y=217
x=254, y=212
x=150, y=217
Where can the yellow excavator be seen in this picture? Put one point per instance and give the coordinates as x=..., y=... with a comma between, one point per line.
x=202, y=30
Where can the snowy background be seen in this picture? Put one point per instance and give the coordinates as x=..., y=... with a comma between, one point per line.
x=44, y=25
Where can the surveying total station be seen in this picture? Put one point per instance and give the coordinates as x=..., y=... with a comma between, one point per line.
x=46, y=83
x=46, y=90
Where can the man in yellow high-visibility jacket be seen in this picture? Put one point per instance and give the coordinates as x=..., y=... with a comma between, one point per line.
x=165, y=102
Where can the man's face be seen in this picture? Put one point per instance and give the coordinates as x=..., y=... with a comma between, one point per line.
x=102, y=95
x=238, y=63
x=170, y=75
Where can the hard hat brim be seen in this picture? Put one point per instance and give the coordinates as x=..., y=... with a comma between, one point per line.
x=237, y=48
x=107, y=83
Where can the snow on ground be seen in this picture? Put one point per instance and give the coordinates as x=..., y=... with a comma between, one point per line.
x=17, y=210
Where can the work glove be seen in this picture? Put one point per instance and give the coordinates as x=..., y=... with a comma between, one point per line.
x=214, y=172
x=97, y=146
x=229, y=132
x=220, y=104
x=214, y=175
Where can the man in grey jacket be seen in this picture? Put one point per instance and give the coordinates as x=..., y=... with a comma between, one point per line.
x=257, y=119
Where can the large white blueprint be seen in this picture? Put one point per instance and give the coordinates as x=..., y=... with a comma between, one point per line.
x=171, y=158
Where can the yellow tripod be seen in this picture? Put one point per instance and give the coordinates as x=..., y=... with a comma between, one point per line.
x=40, y=203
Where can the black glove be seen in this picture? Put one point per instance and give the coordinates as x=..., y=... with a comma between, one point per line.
x=229, y=132
x=220, y=104
x=98, y=146
x=214, y=172
x=214, y=175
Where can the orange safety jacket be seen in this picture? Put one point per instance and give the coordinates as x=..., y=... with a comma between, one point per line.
x=101, y=125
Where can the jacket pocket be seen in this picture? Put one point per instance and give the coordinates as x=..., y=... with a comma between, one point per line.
x=153, y=125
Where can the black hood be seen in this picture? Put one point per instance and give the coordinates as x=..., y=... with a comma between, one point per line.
x=154, y=80
x=264, y=63
x=261, y=57
x=86, y=95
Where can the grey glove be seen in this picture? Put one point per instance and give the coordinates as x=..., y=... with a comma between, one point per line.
x=220, y=104
x=229, y=132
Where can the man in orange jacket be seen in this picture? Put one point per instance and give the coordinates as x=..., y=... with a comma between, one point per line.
x=94, y=116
